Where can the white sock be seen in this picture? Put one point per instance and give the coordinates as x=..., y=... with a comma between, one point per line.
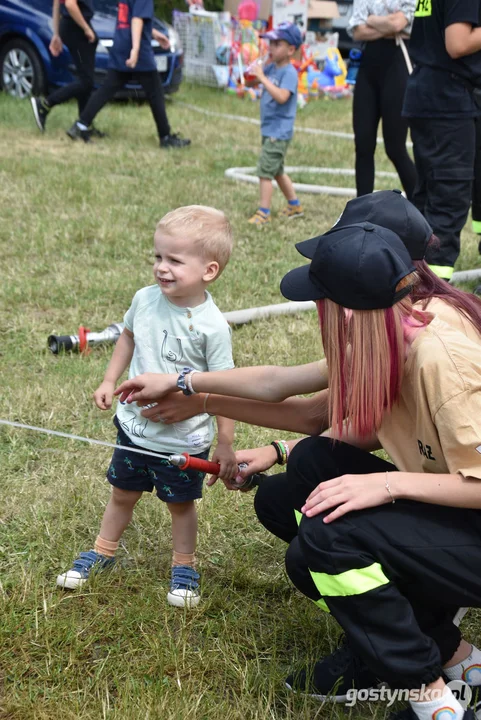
x=443, y=708
x=468, y=670
x=81, y=126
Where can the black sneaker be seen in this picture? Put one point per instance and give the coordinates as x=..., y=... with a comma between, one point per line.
x=75, y=133
x=95, y=132
x=40, y=112
x=409, y=714
x=333, y=676
x=174, y=141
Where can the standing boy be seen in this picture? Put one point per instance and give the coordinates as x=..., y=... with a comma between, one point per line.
x=172, y=326
x=440, y=103
x=71, y=20
x=278, y=112
x=132, y=59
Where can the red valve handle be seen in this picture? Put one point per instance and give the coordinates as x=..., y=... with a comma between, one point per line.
x=199, y=464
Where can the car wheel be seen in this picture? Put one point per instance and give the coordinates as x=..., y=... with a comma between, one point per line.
x=21, y=71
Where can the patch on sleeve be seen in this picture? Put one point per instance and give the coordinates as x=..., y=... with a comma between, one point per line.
x=478, y=449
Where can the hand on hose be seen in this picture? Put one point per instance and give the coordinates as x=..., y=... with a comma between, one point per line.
x=257, y=459
x=225, y=456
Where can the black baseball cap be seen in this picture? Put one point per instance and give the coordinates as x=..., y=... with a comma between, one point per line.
x=389, y=209
x=357, y=266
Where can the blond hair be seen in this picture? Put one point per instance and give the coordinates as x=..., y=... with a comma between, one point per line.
x=207, y=228
x=365, y=356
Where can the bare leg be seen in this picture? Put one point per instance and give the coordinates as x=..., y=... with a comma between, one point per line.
x=464, y=650
x=184, y=526
x=285, y=184
x=437, y=685
x=118, y=513
x=266, y=190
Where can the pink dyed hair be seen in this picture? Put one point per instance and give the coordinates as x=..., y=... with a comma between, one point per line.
x=365, y=355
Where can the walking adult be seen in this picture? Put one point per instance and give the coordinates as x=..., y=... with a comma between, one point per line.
x=132, y=59
x=381, y=25
x=72, y=27
x=389, y=549
x=441, y=106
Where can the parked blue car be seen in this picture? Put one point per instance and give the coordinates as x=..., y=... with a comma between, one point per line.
x=27, y=68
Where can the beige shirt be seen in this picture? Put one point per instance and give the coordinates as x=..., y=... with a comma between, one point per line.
x=436, y=426
x=452, y=317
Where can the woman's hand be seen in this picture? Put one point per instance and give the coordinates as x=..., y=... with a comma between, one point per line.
x=146, y=388
x=257, y=459
x=133, y=59
x=174, y=408
x=56, y=45
x=90, y=34
x=162, y=39
x=347, y=493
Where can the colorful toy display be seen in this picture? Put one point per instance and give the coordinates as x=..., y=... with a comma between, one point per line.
x=322, y=77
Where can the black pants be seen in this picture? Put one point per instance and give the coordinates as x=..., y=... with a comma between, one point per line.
x=115, y=81
x=393, y=576
x=476, y=199
x=379, y=93
x=83, y=56
x=444, y=151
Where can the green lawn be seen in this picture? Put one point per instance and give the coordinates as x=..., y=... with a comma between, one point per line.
x=76, y=243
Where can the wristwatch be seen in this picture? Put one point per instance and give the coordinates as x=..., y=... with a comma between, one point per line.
x=181, y=384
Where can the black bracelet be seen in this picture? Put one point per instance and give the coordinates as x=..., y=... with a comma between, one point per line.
x=278, y=452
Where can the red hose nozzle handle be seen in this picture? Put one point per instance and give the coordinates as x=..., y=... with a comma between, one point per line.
x=209, y=467
x=199, y=464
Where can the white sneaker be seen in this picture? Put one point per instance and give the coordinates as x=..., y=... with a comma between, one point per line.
x=80, y=571
x=184, y=587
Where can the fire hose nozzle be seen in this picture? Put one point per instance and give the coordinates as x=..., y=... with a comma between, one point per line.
x=178, y=460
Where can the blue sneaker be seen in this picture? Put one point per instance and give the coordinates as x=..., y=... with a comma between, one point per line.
x=80, y=571
x=184, y=587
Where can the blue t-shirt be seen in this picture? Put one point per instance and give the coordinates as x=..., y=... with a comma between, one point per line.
x=122, y=46
x=86, y=7
x=277, y=121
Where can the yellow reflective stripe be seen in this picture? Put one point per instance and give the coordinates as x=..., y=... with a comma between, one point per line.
x=322, y=604
x=424, y=8
x=477, y=226
x=351, y=582
x=443, y=271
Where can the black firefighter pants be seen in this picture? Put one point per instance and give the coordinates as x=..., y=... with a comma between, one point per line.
x=392, y=576
x=476, y=203
x=444, y=152
x=83, y=56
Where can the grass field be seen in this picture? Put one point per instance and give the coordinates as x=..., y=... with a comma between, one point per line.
x=76, y=243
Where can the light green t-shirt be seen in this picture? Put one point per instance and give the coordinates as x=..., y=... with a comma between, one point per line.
x=168, y=338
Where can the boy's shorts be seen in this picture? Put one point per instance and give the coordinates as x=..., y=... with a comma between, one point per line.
x=131, y=471
x=271, y=160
